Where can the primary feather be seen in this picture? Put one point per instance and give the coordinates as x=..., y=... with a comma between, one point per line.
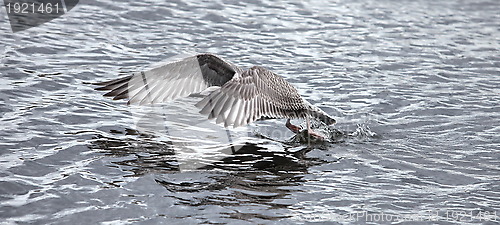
x=243, y=96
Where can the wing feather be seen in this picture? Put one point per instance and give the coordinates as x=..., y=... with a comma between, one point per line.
x=255, y=94
x=172, y=80
x=243, y=96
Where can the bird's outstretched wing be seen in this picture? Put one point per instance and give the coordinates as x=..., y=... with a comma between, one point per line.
x=171, y=80
x=257, y=93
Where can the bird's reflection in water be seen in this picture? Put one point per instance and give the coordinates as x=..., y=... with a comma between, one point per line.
x=138, y=153
x=263, y=172
x=151, y=155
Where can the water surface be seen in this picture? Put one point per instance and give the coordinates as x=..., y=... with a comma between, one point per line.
x=414, y=85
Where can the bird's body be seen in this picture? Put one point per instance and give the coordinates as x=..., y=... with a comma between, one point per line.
x=240, y=97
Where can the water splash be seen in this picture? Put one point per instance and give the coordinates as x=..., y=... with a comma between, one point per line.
x=363, y=131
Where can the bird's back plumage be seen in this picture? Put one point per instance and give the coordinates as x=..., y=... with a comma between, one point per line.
x=242, y=96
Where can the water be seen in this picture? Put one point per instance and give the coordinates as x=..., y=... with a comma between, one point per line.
x=414, y=86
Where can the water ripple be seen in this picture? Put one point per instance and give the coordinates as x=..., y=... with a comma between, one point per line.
x=413, y=86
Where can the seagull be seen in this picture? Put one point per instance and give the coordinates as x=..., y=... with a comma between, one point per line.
x=236, y=96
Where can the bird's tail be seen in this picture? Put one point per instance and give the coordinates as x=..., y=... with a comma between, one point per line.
x=319, y=114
